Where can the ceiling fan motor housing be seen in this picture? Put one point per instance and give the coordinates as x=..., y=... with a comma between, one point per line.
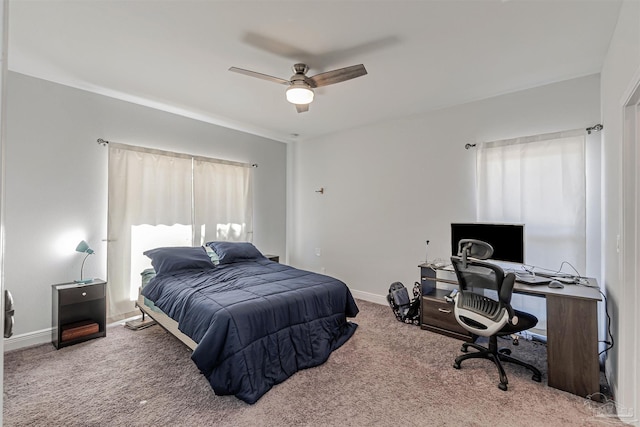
x=300, y=68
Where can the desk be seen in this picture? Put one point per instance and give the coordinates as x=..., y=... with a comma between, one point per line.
x=572, y=332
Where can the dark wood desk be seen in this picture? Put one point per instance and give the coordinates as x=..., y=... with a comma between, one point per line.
x=572, y=335
x=572, y=331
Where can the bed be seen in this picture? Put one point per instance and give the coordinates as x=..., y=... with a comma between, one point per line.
x=251, y=322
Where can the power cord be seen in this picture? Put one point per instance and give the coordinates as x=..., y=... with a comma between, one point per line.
x=566, y=278
x=581, y=281
x=545, y=272
x=609, y=343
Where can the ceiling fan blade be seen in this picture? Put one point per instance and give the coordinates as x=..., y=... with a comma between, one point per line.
x=336, y=76
x=301, y=108
x=260, y=76
x=277, y=47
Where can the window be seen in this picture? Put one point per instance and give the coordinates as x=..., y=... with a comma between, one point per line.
x=540, y=182
x=158, y=198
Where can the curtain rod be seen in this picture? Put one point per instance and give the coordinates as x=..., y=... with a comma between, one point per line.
x=104, y=143
x=594, y=128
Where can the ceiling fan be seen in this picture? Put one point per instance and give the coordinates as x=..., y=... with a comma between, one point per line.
x=300, y=90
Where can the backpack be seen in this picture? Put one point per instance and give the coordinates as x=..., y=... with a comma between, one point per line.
x=405, y=310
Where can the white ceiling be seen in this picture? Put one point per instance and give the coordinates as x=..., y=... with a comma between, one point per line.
x=420, y=55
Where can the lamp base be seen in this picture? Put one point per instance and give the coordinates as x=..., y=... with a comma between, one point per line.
x=83, y=282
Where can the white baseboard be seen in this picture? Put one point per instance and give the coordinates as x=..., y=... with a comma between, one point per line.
x=367, y=296
x=44, y=336
x=27, y=340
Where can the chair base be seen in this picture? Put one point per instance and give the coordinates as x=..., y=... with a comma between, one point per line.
x=497, y=356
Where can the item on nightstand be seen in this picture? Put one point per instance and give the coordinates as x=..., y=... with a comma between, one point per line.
x=79, y=329
x=83, y=247
x=405, y=310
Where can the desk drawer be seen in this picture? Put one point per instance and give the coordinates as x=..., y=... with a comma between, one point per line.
x=81, y=294
x=438, y=313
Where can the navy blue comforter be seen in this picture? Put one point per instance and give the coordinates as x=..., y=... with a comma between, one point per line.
x=257, y=322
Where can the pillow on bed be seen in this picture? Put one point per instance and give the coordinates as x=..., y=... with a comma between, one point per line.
x=213, y=255
x=230, y=252
x=172, y=259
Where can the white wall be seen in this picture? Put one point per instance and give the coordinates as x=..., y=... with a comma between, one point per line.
x=391, y=186
x=620, y=71
x=56, y=182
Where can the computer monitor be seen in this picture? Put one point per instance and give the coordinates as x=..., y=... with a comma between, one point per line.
x=507, y=239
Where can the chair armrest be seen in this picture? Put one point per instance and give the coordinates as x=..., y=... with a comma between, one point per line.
x=506, y=290
x=513, y=319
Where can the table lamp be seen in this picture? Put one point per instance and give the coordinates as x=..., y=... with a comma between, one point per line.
x=83, y=247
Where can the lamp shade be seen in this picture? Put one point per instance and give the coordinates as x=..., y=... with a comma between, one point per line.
x=299, y=93
x=84, y=248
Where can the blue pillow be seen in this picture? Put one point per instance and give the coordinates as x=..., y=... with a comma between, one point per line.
x=172, y=259
x=230, y=252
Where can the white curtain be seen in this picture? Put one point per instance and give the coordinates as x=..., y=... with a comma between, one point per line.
x=223, y=202
x=538, y=181
x=152, y=187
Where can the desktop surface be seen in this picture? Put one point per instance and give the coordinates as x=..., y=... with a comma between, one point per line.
x=589, y=290
x=585, y=288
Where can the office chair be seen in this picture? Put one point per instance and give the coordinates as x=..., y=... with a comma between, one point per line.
x=485, y=316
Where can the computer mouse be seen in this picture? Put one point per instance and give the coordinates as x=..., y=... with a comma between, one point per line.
x=556, y=284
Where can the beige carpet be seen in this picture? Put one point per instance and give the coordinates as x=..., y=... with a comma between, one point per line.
x=388, y=374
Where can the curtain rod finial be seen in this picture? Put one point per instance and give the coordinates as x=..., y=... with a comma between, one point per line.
x=102, y=142
x=595, y=128
x=467, y=146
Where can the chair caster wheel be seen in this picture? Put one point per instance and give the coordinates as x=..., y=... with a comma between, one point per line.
x=506, y=351
x=456, y=365
x=464, y=349
x=536, y=378
x=502, y=386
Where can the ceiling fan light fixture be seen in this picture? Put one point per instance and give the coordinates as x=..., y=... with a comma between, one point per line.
x=299, y=94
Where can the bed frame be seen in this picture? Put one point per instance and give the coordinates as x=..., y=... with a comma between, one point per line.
x=166, y=322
